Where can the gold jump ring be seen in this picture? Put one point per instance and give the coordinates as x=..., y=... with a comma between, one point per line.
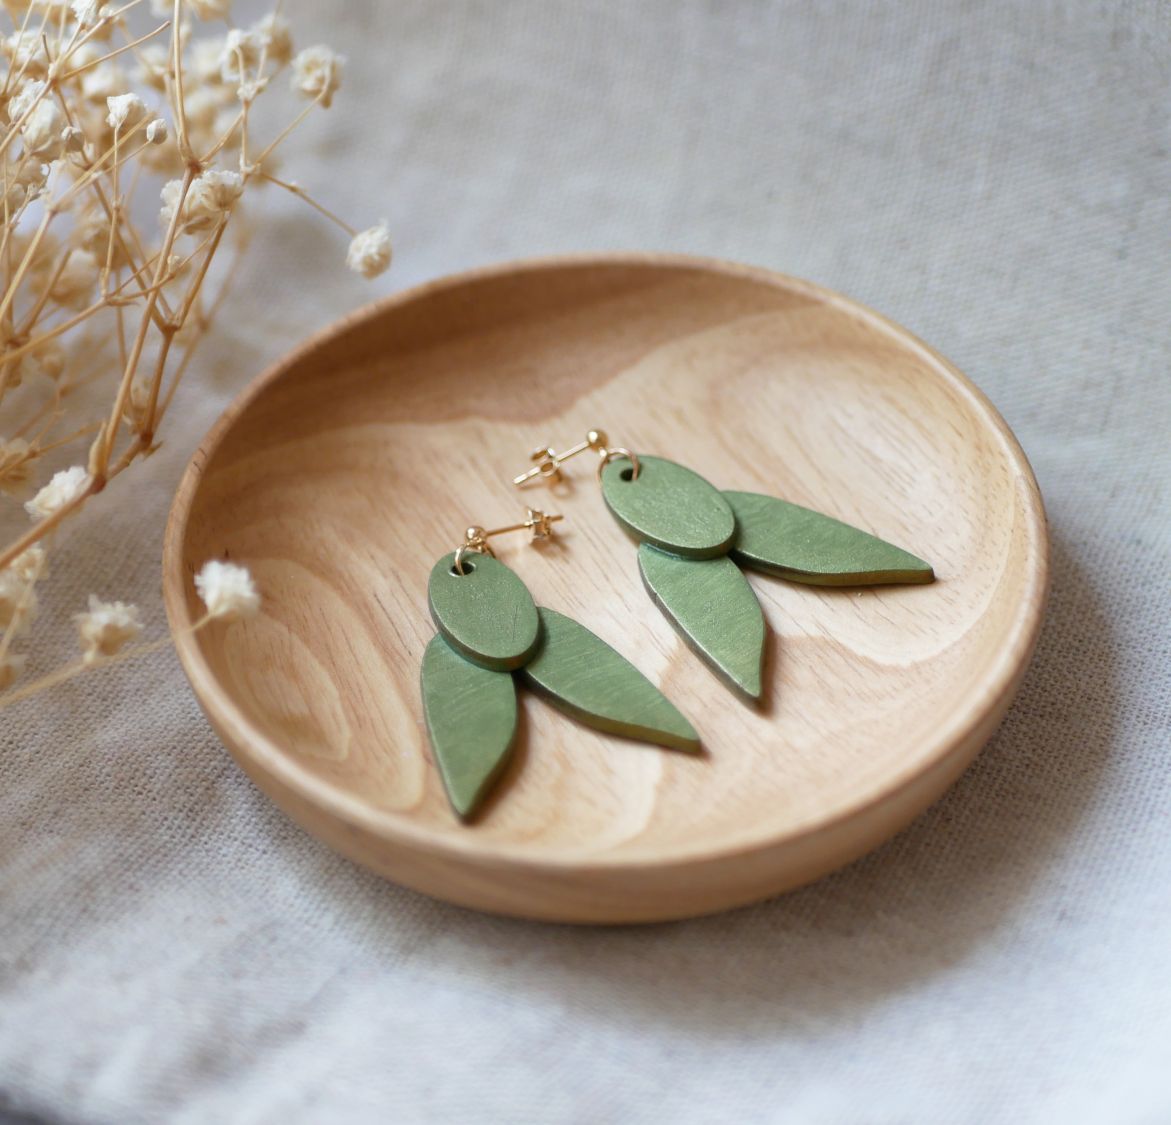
x=618, y=454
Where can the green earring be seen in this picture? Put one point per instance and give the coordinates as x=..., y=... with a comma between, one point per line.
x=493, y=637
x=693, y=540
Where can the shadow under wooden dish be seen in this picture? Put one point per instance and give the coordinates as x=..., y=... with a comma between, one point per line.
x=346, y=469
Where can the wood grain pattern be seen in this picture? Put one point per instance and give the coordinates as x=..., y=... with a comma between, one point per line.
x=349, y=467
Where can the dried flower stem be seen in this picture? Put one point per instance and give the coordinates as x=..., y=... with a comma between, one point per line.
x=77, y=151
x=71, y=671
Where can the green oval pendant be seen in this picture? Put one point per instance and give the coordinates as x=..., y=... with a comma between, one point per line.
x=670, y=507
x=486, y=614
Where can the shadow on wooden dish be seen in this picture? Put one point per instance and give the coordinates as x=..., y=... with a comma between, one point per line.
x=344, y=471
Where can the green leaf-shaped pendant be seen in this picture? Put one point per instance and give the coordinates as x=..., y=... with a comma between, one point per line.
x=489, y=628
x=801, y=545
x=578, y=672
x=711, y=604
x=471, y=718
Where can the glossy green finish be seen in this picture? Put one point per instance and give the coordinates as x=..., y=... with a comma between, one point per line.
x=471, y=718
x=581, y=674
x=487, y=615
x=669, y=506
x=711, y=604
x=804, y=546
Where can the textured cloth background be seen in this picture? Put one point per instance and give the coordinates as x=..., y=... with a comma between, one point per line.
x=995, y=175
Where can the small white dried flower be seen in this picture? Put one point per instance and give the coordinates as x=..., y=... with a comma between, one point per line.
x=251, y=88
x=18, y=602
x=210, y=9
x=227, y=590
x=126, y=111
x=210, y=197
x=73, y=140
x=15, y=465
x=24, y=99
x=26, y=182
x=88, y=13
x=317, y=73
x=42, y=131
x=74, y=285
x=274, y=35
x=105, y=628
x=32, y=175
x=239, y=54
x=370, y=251
x=11, y=666
x=156, y=132
x=26, y=49
x=30, y=565
x=63, y=489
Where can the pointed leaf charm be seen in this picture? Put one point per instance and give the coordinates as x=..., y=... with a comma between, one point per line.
x=471, y=718
x=801, y=545
x=583, y=676
x=711, y=604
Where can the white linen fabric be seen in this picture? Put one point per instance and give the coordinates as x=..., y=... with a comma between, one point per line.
x=994, y=175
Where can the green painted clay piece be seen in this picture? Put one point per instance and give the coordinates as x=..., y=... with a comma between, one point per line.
x=486, y=614
x=669, y=506
x=804, y=546
x=583, y=676
x=711, y=604
x=471, y=718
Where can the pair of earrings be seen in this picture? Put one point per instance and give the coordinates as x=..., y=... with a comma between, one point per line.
x=692, y=542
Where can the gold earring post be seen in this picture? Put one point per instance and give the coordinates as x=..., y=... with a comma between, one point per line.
x=548, y=462
x=476, y=538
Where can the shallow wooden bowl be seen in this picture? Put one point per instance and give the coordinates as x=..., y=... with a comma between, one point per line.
x=344, y=471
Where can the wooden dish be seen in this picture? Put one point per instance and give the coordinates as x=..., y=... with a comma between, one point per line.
x=345, y=470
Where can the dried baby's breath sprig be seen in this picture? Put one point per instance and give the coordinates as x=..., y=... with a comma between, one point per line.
x=66, y=487
x=105, y=628
x=317, y=74
x=227, y=590
x=370, y=251
x=104, y=107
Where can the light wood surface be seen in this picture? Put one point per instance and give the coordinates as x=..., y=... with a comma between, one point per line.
x=347, y=469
